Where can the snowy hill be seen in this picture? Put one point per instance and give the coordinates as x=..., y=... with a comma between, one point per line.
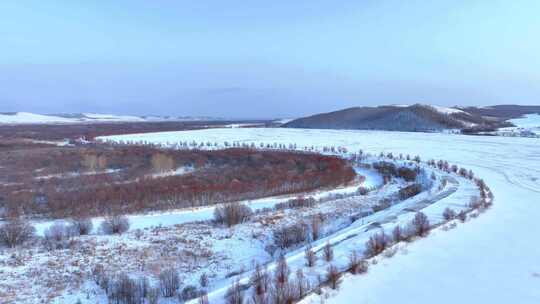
x=417, y=117
x=32, y=118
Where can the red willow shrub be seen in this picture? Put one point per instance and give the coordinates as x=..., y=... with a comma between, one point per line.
x=106, y=179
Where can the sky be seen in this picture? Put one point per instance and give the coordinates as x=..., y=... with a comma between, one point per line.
x=265, y=59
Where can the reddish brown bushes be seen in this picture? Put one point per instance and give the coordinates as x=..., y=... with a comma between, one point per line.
x=66, y=185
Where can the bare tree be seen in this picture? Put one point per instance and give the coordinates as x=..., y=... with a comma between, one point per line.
x=260, y=280
x=333, y=276
x=203, y=299
x=310, y=256
x=169, y=282
x=315, y=228
x=203, y=280
x=328, y=252
x=301, y=284
x=235, y=293
x=282, y=271
x=153, y=296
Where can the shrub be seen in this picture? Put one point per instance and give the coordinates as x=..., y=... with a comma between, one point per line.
x=462, y=216
x=363, y=190
x=310, y=256
x=410, y=191
x=189, y=292
x=260, y=280
x=328, y=252
x=301, y=284
x=315, y=227
x=420, y=224
x=299, y=202
x=125, y=290
x=449, y=214
x=385, y=168
x=282, y=272
x=407, y=173
x=397, y=234
x=169, y=282
x=333, y=276
x=57, y=236
x=376, y=244
x=382, y=204
x=232, y=214
x=116, y=224
x=354, y=262
x=15, y=232
x=288, y=236
x=82, y=226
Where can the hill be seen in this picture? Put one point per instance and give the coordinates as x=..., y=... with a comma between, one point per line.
x=16, y=118
x=416, y=117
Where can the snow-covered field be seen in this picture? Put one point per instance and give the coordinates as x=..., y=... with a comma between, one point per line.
x=527, y=125
x=492, y=259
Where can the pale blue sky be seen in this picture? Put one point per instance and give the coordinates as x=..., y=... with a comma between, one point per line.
x=265, y=59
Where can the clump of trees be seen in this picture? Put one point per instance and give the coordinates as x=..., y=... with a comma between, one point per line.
x=232, y=214
x=299, y=202
x=122, y=179
x=291, y=235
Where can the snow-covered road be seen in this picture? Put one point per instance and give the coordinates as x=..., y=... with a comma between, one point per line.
x=492, y=259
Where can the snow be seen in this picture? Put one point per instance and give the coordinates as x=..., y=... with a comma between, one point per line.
x=178, y=171
x=446, y=110
x=530, y=122
x=492, y=258
x=30, y=118
x=527, y=121
x=111, y=117
x=284, y=120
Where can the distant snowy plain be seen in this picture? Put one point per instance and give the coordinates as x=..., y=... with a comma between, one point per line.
x=492, y=259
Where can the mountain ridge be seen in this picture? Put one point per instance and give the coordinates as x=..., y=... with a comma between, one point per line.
x=416, y=117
